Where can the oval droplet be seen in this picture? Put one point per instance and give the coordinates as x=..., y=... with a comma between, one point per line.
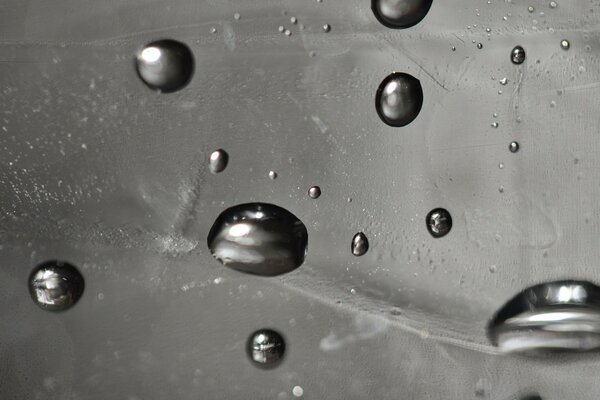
x=399, y=99
x=554, y=316
x=360, y=244
x=400, y=14
x=165, y=65
x=272, y=175
x=439, y=222
x=258, y=238
x=565, y=44
x=314, y=192
x=218, y=161
x=56, y=285
x=266, y=348
x=513, y=147
x=517, y=55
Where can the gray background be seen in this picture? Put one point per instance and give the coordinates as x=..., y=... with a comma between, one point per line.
x=98, y=170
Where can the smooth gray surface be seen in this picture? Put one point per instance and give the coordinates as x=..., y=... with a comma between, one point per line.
x=100, y=171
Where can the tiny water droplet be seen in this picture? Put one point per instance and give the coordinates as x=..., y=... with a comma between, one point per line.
x=501, y=165
x=480, y=46
x=218, y=161
x=326, y=28
x=237, y=16
x=281, y=29
x=553, y=4
x=494, y=124
x=503, y=81
x=530, y=9
x=294, y=20
x=501, y=189
x=266, y=348
x=517, y=55
x=564, y=44
x=165, y=65
x=288, y=32
x=258, y=238
x=513, y=147
x=438, y=222
x=314, y=192
x=453, y=48
x=493, y=269
x=56, y=285
x=400, y=14
x=272, y=175
x=213, y=30
x=297, y=391
x=495, y=115
x=360, y=244
x=399, y=99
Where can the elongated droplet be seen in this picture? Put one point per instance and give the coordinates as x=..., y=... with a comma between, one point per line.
x=218, y=161
x=56, y=285
x=513, y=147
x=399, y=99
x=550, y=317
x=439, y=222
x=517, y=55
x=266, y=348
x=314, y=192
x=258, y=238
x=400, y=14
x=360, y=244
x=165, y=65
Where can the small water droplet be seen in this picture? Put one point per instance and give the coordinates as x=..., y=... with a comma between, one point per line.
x=218, y=161
x=400, y=14
x=294, y=20
x=494, y=124
x=165, y=65
x=517, y=55
x=258, y=238
x=503, y=81
x=513, y=147
x=56, y=285
x=326, y=28
x=360, y=244
x=438, y=222
x=237, y=16
x=281, y=29
x=480, y=46
x=288, y=32
x=272, y=175
x=488, y=30
x=530, y=9
x=553, y=4
x=493, y=269
x=399, y=99
x=501, y=165
x=297, y=391
x=564, y=44
x=453, y=48
x=501, y=189
x=213, y=30
x=314, y=192
x=266, y=348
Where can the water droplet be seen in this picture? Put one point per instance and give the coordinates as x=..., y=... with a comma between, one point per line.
x=218, y=161
x=272, y=175
x=438, y=222
x=237, y=16
x=297, y=391
x=213, y=30
x=480, y=46
x=488, y=30
x=314, y=192
x=513, y=147
x=493, y=269
x=326, y=28
x=360, y=244
x=453, y=48
x=501, y=189
x=56, y=285
x=266, y=348
x=553, y=4
x=501, y=165
x=258, y=238
x=399, y=99
x=281, y=29
x=564, y=44
x=288, y=32
x=400, y=14
x=517, y=55
x=530, y=9
x=494, y=124
x=503, y=81
x=165, y=65
x=294, y=20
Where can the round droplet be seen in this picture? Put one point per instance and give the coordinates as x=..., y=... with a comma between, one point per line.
x=326, y=28
x=314, y=192
x=480, y=46
x=530, y=9
x=513, y=147
x=56, y=285
x=258, y=238
x=218, y=161
x=288, y=32
x=281, y=29
x=439, y=222
x=360, y=244
x=165, y=65
x=294, y=20
x=400, y=14
x=272, y=175
x=237, y=16
x=553, y=4
x=399, y=99
x=494, y=124
x=266, y=348
x=297, y=391
x=564, y=44
x=517, y=55
x=501, y=165
x=453, y=48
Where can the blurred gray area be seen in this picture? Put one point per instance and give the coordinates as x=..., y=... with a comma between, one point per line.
x=98, y=170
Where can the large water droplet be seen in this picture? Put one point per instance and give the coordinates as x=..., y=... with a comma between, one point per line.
x=165, y=65
x=258, y=238
x=517, y=55
x=554, y=316
x=400, y=14
x=439, y=222
x=56, y=285
x=399, y=99
x=314, y=192
x=360, y=244
x=266, y=348
x=218, y=161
